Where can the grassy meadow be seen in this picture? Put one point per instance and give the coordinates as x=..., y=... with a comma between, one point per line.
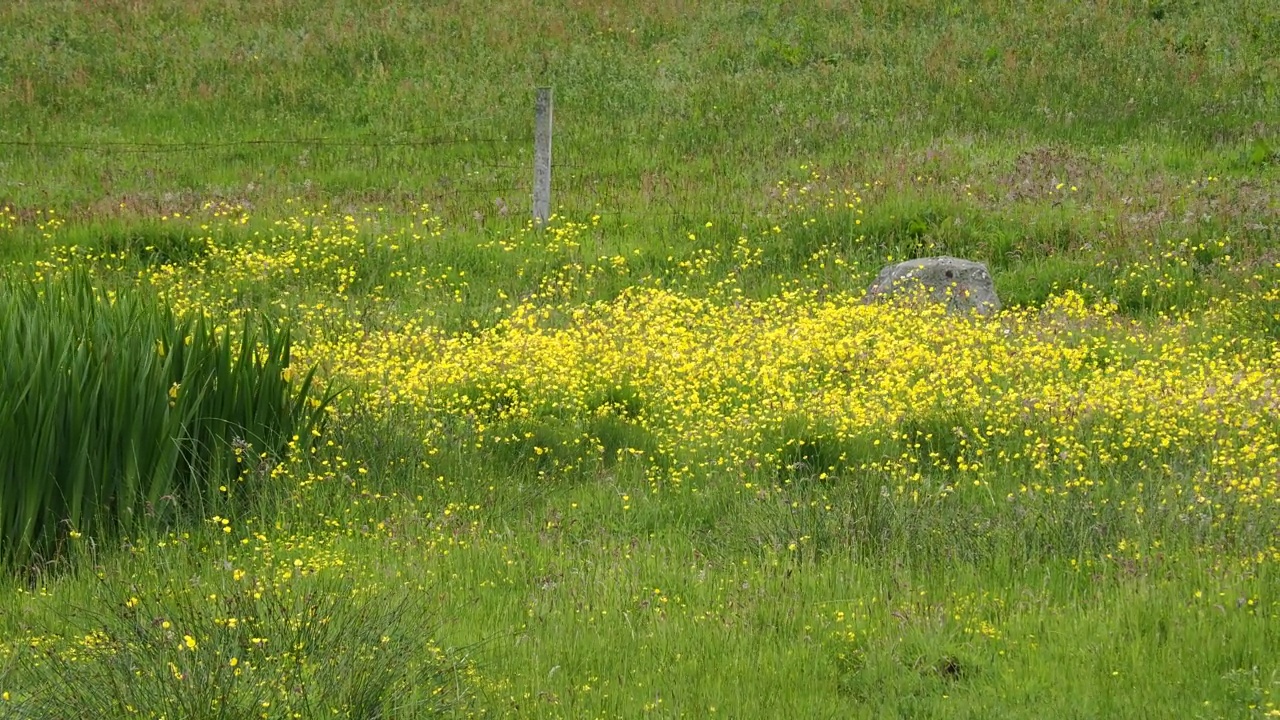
x=302, y=418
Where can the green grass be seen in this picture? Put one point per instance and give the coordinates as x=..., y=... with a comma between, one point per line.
x=617, y=468
x=662, y=108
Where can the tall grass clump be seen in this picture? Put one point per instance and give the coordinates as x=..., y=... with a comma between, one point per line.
x=323, y=652
x=113, y=411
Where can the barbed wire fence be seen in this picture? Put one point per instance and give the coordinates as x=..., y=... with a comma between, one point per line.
x=461, y=168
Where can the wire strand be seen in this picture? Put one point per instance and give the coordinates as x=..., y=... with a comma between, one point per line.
x=142, y=147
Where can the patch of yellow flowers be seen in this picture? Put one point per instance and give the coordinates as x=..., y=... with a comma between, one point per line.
x=1071, y=399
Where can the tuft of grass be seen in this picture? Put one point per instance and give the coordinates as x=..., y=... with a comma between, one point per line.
x=336, y=654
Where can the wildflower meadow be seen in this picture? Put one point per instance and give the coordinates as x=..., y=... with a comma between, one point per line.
x=302, y=416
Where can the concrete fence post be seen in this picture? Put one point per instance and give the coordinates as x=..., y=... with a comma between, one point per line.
x=542, y=158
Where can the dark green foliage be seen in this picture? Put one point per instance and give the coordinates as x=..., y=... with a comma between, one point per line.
x=154, y=243
x=623, y=400
x=618, y=437
x=113, y=411
x=807, y=449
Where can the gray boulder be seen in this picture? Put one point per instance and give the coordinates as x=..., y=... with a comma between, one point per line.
x=963, y=286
